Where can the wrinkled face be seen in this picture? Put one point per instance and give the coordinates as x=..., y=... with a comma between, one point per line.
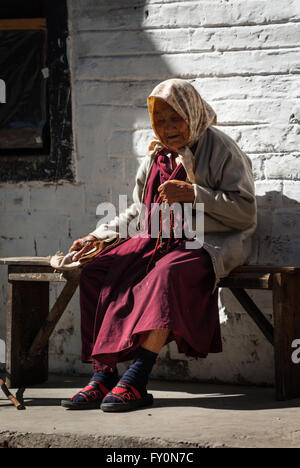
x=171, y=128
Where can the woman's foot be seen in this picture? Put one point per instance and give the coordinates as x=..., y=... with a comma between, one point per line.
x=125, y=397
x=131, y=393
x=91, y=396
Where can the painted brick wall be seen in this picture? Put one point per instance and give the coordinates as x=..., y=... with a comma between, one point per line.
x=243, y=57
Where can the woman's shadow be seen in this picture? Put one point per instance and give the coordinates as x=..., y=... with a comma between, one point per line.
x=277, y=238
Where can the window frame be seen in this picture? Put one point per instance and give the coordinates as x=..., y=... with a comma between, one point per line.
x=55, y=162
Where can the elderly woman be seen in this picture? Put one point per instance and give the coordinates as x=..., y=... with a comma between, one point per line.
x=141, y=293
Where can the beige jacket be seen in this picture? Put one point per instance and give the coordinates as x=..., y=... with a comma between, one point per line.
x=223, y=181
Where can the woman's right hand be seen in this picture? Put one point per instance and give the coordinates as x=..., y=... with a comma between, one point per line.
x=83, y=245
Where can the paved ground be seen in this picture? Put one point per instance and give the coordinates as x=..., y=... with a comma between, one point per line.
x=184, y=415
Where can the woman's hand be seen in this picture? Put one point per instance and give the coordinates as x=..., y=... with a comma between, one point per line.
x=174, y=190
x=83, y=245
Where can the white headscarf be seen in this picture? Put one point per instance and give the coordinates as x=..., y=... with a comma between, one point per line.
x=187, y=102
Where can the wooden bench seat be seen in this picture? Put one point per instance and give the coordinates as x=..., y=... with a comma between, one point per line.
x=30, y=323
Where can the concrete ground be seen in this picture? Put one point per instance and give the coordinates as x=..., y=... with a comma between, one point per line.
x=184, y=415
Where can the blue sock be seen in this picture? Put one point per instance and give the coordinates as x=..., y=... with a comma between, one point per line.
x=107, y=379
x=138, y=373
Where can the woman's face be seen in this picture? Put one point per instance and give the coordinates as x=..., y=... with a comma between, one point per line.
x=171, y=128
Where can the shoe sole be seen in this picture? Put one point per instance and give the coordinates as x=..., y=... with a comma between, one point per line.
x=84, y=405
x=129, y=406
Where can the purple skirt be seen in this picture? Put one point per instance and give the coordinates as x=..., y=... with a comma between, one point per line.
x=120, y=302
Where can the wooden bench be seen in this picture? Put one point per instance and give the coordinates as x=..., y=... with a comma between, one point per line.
x=30, y=323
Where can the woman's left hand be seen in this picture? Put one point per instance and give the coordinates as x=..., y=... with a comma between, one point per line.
x=174, y=190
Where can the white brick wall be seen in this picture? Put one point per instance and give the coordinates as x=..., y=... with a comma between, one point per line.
x=243, y=57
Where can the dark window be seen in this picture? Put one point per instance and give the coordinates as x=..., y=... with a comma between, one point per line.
x=35, y=120
x=23, y=65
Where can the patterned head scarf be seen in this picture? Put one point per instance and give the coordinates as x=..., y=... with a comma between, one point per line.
x=187, y=102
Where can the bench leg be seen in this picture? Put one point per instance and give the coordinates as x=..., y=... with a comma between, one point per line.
x=286, y=306
x=27, y=309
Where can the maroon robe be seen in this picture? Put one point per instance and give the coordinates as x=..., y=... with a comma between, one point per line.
x=120, y=302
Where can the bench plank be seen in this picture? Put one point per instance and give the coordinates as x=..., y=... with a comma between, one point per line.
x=39, y=273
x=50, y=277
x=247, y=281
x=25, y=260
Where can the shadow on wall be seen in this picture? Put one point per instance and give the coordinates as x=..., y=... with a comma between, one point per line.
x=277, y=238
